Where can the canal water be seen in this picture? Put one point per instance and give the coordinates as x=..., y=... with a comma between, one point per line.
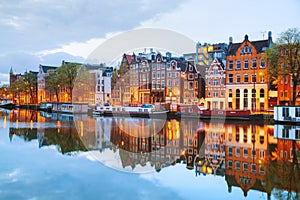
x=59, y=156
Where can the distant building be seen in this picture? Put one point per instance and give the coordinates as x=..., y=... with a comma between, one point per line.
x=43, y=94
x=23, y=95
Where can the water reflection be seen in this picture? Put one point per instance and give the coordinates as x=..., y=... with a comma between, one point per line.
x=252, y=157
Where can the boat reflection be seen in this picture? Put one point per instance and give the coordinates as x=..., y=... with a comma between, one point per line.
x=250, y=156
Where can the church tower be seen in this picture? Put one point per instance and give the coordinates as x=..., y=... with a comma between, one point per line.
x=11, y=76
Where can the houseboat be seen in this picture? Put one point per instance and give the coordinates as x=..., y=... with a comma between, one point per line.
x=187, y=111
x=45, y=106
x=8, y=104
x=70, y=108
x=287, y=114
x=144, y=110
x=225, y=114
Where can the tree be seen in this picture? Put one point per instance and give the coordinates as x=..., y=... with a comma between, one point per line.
x=30, y=80
x=68, y=72
x=283, y=59
x=17, y=88
x=53, y=83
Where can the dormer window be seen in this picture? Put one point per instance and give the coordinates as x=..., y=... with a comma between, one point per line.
x=190, y=68
x=246, y=50
x=173, y=64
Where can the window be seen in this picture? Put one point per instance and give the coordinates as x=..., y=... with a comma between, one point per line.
x=238, y=64
x=246, y=78
x=261, y=78
x=262, y=63
x=230, y=78
x=158, y=75
x=245, y=166
x=229, y=151
x=297, y=134
x=191, y=85
x=254, y=63
x=191, y=76
x=215, y=93
x=285, y=112
x=237, y=151
x=229, y=164
x=262, y=93
x=153, y=85
x=245, y=98
x=285, y=133
x=238, y=78
x=253, y=167
x=246, y=64
x=245, y=153
x=153, y=74
x=216, y=72
x=163, y=74
x=230, y=65
x=230, y=92
x=190, y=68
x=237, y=165
x=215, y=82
x=176, y=83
x=297, y=112
x=163, y=84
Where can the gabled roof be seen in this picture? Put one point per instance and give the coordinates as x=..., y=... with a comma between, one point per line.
x=259, y=45
x=46, y=68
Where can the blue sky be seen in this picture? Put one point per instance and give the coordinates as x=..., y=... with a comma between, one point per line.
x=37, y=32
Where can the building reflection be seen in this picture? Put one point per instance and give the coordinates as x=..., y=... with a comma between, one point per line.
x=249, y=156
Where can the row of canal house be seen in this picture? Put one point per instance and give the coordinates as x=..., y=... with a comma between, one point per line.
x=151, y=78
x=232, y=76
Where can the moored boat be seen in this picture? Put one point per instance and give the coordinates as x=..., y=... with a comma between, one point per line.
x=70, y=108
x=7, y=104
x=225, y=114
x=145, y=110
x=287, y=114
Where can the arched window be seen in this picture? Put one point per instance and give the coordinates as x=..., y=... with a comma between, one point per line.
x=262, y=93
x=253, y=93
x=245, y=99
x=237, y=103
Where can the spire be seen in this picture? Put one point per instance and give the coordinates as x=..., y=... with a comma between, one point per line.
x=11, y=70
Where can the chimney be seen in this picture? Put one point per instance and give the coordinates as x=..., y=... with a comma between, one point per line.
x=270, y=42
x=230, y=40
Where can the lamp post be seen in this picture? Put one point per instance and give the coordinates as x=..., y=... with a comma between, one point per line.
x=58, y=88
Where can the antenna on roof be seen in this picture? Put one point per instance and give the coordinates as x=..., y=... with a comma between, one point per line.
x=263, y=32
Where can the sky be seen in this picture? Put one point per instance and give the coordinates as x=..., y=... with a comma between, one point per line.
x=46, y=32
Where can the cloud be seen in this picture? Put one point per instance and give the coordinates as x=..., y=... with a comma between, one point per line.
x=39, y=25
x=213, y=22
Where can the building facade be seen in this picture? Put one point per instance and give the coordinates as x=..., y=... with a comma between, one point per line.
x=215, y=87
x=247, y=84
